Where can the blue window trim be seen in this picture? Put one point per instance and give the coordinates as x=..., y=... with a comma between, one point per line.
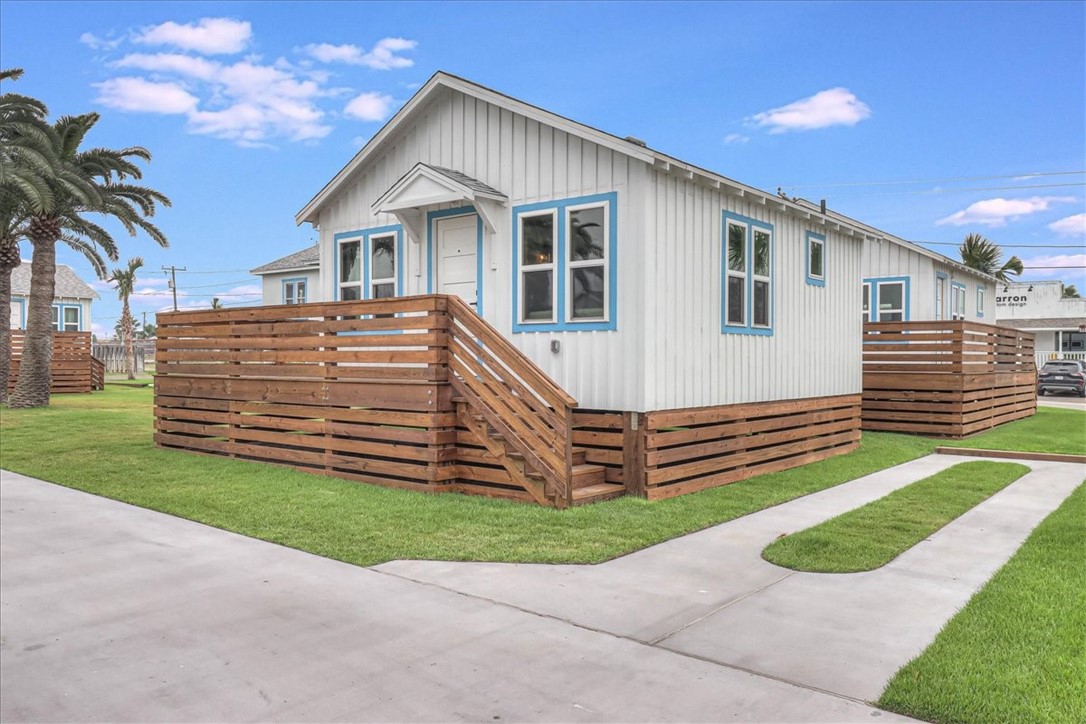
x=61, y=306
x=561, y=265
x=364, y=235
x=939, y=313
x=906, y=297
x=751, y=224
x=21, y=301
x=295, y=280
x=980, y=301
x=953, y=312
x=432, y=216
x=812, y=280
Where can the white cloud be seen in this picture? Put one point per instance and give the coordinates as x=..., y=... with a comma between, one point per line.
x=996, y=212
x=384, y=55
x=833, y=107
x=369, y=107
x=1070, y=226
x=139, y=95
x=736, y=138
x=1054, y=263
x=210, y=36
x=186, y=65
x=93, y=41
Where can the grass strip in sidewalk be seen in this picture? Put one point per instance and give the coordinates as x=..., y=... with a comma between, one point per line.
x=873, y=535
x=1017, y=651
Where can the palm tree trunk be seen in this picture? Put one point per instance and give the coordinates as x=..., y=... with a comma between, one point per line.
x=32, y=387
x=5, y=330
x=129, y=352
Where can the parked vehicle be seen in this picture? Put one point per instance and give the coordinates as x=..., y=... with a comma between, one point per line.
x=1062, y=376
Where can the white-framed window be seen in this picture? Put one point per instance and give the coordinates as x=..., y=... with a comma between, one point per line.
x=891, y=300
x=564, y=264
x=538, y=246
x=957, y=301
x=383, y=266
x=980, y=301
x=735, y=291
x=940, y=295
x=586, y=263
x=867, y=302
x=66, y=318
x=367, y=263
x=294, y=291
x=747, y=275
x=350, y=270
x=816, y=259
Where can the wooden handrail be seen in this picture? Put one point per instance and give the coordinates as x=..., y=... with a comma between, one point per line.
x=516, y=398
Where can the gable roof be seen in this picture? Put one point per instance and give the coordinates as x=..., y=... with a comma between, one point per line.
x=307, y=258
x=629, y=146
x=68, y=283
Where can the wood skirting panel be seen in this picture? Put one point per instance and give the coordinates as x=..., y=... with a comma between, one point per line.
x=690, y=450
x=73, y=369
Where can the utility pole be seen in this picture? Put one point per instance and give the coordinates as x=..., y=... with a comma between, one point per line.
x=173, y=281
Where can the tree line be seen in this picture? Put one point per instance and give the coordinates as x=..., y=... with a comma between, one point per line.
x=55, y=190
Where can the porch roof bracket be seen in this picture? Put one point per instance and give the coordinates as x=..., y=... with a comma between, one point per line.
x=412, y=222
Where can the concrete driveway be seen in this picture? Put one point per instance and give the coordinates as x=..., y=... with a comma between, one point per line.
x=110, y=612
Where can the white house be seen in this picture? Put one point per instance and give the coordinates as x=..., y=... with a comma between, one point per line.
x=1058, y=323
x=293, y=279
x=71, y=303
x=635, y=280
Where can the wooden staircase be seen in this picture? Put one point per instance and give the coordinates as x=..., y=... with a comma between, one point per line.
x=518, y=415
x=588, y=482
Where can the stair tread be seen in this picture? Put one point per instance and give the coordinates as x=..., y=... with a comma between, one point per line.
x=599, y=489
x=587, y=468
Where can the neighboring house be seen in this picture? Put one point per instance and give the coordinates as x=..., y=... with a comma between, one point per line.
x=292, y=279
x=635, y=280
x=1058, y=324
x=903, y=281
x=71, y=303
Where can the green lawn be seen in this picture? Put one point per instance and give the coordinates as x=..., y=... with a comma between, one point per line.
x=873, y=535
x=1052, y=429
x=101, y=443
x=1017, y=651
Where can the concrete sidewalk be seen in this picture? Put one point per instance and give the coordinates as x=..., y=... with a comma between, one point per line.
x=711, y=595
x=114, y=613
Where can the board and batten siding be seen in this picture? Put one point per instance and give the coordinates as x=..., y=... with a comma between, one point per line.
x=529, y=162
x=886, y=259
x=815, y=346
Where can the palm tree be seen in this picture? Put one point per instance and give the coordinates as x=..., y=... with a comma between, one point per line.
x=125, y=279
x=26, y=162
x=984, y=256
x=216, y=303
x=1069, y=292
x=94, y=181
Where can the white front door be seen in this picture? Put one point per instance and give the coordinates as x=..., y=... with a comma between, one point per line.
x=456, y=261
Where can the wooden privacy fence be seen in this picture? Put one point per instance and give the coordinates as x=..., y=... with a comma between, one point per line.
x=73, y=369
x=414, y=392
x=946, y=378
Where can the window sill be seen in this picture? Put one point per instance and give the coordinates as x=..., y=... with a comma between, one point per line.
x=754, y=331
x=599, y=326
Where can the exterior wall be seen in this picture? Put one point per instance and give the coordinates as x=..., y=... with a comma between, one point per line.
x=814, y=350
x=19, y=309
x=272, y=286
x=886, y=259
x=529, y=163
x=1038, y=300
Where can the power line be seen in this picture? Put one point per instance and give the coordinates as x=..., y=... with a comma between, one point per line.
x=1020, y=246
x=220, y=271
x=1022, y=176
x=954, y=191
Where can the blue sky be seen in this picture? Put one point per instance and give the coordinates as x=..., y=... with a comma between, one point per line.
x=928, y=120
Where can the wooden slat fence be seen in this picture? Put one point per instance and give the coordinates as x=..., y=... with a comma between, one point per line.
x=113, y=356
x=73, y=368
x=362, y=390
x=946, y=378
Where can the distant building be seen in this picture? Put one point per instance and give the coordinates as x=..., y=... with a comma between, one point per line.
x=1039, y=307
x=292, y=279
x=71, y=301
